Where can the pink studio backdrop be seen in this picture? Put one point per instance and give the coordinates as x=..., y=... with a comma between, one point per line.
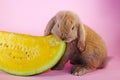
x=31, y=17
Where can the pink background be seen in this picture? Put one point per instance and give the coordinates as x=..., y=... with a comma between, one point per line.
x=31, y=17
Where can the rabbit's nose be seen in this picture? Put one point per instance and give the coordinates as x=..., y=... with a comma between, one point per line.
x=63, y=38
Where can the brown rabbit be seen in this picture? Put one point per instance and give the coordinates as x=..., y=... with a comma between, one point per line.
x=86, y=50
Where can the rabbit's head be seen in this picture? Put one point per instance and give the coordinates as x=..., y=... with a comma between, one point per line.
x=66, y=26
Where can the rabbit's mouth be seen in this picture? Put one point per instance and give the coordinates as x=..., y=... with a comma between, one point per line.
x=65, y=39
x=68, y=39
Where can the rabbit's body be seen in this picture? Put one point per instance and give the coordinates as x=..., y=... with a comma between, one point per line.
x=94, y=54
x=86, y=50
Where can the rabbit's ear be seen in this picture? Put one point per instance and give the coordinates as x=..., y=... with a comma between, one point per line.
x=81, y=37
x=49, y=26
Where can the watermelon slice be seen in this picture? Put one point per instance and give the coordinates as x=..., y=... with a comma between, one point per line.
x=26, y=55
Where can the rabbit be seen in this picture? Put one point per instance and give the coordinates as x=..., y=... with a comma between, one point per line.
x=85, y=49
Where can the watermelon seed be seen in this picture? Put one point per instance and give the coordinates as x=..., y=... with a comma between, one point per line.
x=0, y=44
x=6, y=45
x=13, y=57
x=20, y=58
x=28, y=55
x=26, y=52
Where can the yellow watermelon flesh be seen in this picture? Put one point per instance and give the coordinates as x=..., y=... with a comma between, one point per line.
x=26, y=55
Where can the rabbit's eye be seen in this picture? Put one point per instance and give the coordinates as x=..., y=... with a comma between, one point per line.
x=58, y=25
x=73, y=28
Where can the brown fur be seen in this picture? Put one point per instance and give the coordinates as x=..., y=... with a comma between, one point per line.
x=85, y=48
